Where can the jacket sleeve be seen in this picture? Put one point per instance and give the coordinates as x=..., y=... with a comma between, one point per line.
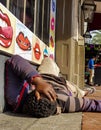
x=22, y=67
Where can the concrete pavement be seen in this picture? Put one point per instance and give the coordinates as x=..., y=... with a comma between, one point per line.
x=70, y=121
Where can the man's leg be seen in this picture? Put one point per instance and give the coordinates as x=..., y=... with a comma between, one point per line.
x=91, y=105
x=91, y=76
x=82, y=104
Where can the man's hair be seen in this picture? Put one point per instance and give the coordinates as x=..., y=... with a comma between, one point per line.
x=38, y=108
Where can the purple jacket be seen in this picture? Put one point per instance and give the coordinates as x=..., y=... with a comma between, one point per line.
x=17, y=80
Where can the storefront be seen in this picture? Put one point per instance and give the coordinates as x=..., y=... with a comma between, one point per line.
x=34, y=22
x=92, y=50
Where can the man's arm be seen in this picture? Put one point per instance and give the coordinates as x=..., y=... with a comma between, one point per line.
x=22, y=67
x=26, y=71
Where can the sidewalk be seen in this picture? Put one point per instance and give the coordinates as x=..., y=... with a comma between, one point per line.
x=70, y=121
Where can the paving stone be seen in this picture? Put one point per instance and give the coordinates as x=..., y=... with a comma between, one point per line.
x=92, y=120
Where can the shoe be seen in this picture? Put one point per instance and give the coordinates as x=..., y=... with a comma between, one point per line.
x=90, y=90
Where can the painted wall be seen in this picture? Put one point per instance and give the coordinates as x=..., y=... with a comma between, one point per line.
x=16, y=38
x=52, y=27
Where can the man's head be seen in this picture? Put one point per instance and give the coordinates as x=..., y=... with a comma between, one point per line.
x=39, y=108
x=93, y=57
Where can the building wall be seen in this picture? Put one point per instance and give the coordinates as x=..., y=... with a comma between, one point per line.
x=63, y=35
x=73, y=39
x=77, y=75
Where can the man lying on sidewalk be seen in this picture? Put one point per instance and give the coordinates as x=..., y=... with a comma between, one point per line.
x=41, y=95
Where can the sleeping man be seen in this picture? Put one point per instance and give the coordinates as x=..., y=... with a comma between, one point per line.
x=41, y=94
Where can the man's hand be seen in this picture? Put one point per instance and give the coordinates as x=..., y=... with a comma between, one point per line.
x=42, y=87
